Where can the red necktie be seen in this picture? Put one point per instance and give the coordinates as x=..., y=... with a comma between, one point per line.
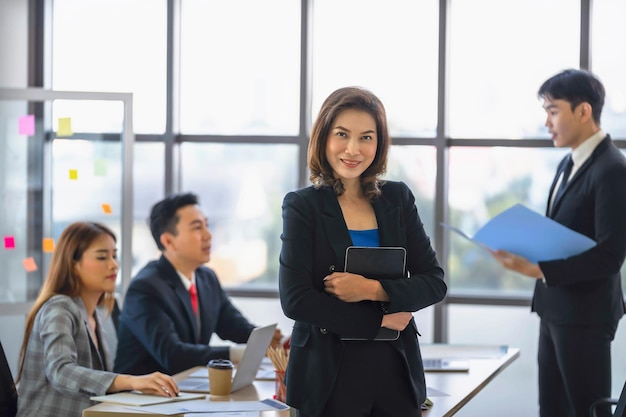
x=194, y=298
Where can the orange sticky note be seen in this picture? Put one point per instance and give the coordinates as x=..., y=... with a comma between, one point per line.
x=73, y=174
x=65, y=127
x=29, y=264
x=106, y=208
x=48, y=244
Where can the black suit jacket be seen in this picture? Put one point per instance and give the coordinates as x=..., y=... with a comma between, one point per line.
x=157, y=328
x=586, y=289
x=315, y=238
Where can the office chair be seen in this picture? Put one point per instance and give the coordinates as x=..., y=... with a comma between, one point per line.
x=8, y=393
x=620, y=403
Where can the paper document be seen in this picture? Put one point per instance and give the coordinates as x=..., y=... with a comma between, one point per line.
x=131, y=398
x=203, y=406
x=526, y=233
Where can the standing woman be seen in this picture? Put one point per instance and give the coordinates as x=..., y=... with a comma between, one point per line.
x=347, y=205
x=64, y=358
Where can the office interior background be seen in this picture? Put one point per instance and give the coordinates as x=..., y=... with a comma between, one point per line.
x=223, y=95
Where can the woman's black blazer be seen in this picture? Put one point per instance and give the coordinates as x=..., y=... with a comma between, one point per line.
x=314, y=242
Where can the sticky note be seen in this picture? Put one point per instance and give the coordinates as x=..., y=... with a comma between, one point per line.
x=48, y=244
x=29, y=264
x=65, y=127
x=26, y=125
x=106, y=208
x=100, y=168
x=9, y=242
x=73, y=174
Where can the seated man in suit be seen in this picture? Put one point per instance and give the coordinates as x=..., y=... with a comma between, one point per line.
x=174, y=304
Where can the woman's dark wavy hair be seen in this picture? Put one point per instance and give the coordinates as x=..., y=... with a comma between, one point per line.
x=356, y=98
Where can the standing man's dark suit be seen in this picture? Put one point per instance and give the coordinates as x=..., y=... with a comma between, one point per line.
x=586, y=289
x=579, y=299
x=157, y=328
x=584, y=292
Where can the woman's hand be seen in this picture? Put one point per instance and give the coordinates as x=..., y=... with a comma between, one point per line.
x=155, y=383
x=397, y=321
x=353, y=288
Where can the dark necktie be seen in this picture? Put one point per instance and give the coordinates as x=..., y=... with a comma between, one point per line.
x=194, y=298
x=564, y=179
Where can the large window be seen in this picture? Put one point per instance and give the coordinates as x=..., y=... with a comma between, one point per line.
x=388, y=47
x=241, y=189
x=499, y=59
x=609, y=61
x=224, y=93
x=113, y=46
x=240, y=67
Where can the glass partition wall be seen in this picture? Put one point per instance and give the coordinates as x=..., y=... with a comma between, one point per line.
x=59, y=164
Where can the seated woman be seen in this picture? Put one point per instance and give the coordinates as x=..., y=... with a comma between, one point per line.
x=64, y=359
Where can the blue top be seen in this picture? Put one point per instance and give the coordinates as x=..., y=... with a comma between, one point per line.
x=365, y=237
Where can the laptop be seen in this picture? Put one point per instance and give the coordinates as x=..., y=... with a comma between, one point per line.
x=257, y=345
x=445, y=365
x=378, y=262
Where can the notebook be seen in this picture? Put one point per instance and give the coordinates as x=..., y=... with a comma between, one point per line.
x=257, y=345
x=378, y=263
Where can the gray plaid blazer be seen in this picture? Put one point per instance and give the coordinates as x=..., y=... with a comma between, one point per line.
x=62, y=367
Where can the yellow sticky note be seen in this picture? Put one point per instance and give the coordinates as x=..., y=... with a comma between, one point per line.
x=106, y=208
x=73, y=174
x=65, y=127
x=48, y=244
x=29, y=265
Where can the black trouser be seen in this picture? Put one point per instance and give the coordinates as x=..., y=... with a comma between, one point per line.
x=372, y=382
x=574, y=368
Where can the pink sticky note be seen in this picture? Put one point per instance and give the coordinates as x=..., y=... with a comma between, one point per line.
x=9, y=242
x=29, y=265
x=26, y=125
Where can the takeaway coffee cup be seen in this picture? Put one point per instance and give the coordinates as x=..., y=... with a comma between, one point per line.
x=220, y=376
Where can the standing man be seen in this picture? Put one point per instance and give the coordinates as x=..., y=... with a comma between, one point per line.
x=579, y=299
x=174, y=304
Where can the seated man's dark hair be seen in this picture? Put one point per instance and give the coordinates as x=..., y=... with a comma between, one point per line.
x=163, y=217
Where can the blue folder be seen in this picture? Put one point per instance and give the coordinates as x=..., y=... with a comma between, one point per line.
x=526, y=233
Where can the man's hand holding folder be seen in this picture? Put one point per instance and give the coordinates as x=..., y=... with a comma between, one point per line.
x=518, y=264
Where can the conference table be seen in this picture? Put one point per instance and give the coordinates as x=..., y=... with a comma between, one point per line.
x=449, y=391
